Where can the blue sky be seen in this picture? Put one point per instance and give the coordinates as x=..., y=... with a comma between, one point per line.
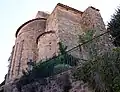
x=13, y=13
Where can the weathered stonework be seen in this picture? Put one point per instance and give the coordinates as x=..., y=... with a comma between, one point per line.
x=42, y=14
x=47, y=45
x=63, y=82
x=25, y=46
x=38, y=38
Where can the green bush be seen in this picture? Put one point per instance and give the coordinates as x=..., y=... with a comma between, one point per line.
x=102, y=73
x=48, y=68
x=102, y=70
x=61, y=68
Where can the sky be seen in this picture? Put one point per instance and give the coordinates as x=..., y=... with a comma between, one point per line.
x=13, y=13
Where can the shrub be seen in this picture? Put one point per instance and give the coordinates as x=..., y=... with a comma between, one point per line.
x=48, y=68
x=102, y=73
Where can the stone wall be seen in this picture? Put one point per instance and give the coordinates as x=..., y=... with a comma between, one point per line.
x=64, y=24
x=52, y=22
x=63, y=82
x=47, y=45
x=10, y=64
x=42, y=14
x=25, y=46
x=69, y=27
x=92, y=20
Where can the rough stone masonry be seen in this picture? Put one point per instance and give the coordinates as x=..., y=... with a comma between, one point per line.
x=38, y=39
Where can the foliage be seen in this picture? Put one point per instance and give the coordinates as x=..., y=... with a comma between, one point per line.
x=91, y=48
x=87, y=36
x=61, y=68
x=102, y=73
x=47, y=68
x=62, y=48
x=114, y=27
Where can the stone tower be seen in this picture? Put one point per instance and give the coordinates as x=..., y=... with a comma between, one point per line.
x=25, y=45
x=38, y=39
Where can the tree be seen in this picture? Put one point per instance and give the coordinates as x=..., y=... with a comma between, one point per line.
x=114, y=27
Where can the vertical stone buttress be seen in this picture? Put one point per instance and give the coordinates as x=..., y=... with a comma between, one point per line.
x=10, y=64
x=92, y=20
x=48, y=41
x=25, y=45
